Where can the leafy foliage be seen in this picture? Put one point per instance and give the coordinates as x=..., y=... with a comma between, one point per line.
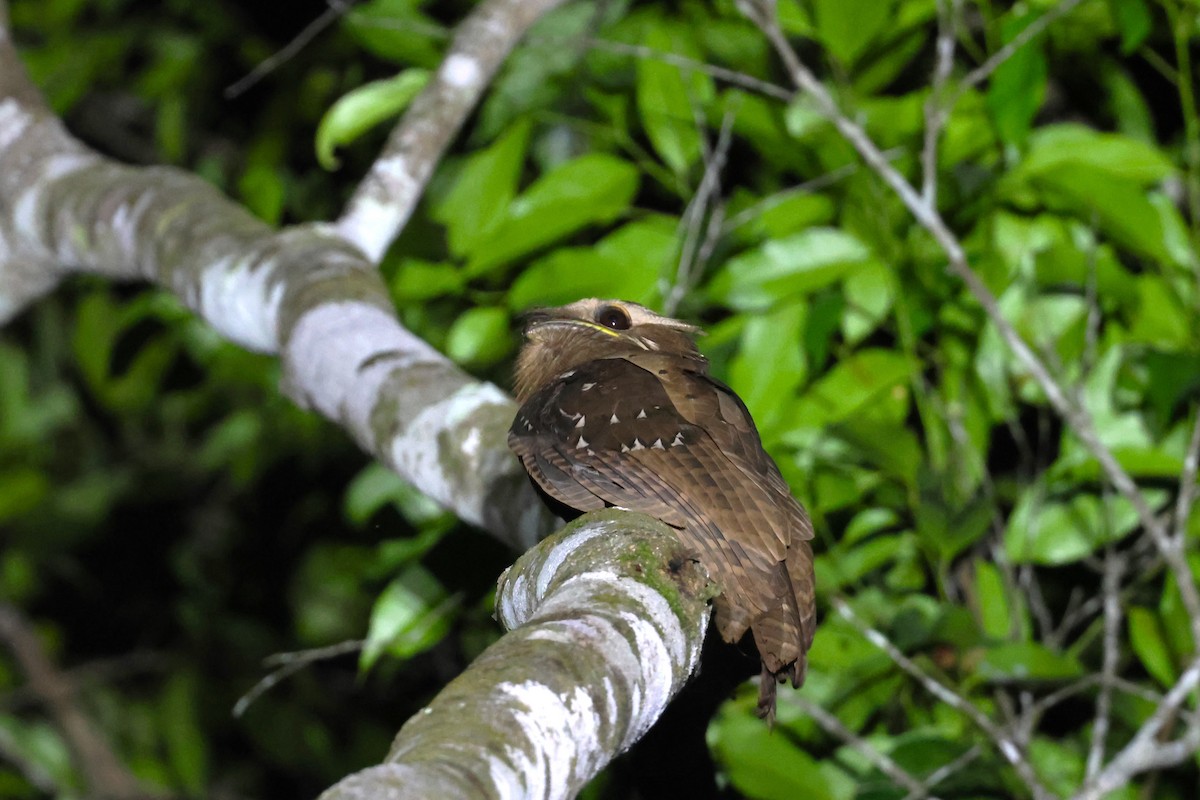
x=156, y=493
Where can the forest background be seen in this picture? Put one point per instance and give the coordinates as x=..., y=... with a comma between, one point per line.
x=947, y=252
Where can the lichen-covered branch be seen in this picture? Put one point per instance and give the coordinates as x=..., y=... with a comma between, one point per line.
x=606, y=620
x=304, y=293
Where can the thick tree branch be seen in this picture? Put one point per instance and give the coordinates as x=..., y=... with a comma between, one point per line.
x=606, y=621
x=388, y=194
x=303, y=293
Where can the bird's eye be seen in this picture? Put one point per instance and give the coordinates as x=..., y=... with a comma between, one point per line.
x=613, y=317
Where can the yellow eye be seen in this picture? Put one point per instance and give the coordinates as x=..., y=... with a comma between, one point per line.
x=613, y=317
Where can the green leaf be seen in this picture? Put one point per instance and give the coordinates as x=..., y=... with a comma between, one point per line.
x=1150, y=645
x=480, y=337
x=362, y=109
x=397, y=31
x=1027, y=661
x=376, y=486
x=624, y=264
x=22, y=489
x=485, y=186
x=995, y=614
x=868, y=522
x=413, y=614
x=762, y=765
x=667, y=97
x=846, y=27
x=846, y=566
x=183, y=734
x=1160, y=319
x=869, y=293
x=856, y=383
x=783, y=268
x=1118, y=206
x=262, y=188
x=1042, y=531
x=589, y=190
x=783, y=214
x=1018, y=86
x=416, y=281
x=1132, y=18
x=1114, y=154
x=769, y=364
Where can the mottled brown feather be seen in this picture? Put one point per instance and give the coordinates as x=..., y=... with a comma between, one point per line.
x=635, y=422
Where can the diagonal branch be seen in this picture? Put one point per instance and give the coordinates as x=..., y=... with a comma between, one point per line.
x=103, y=772
x=1005, y=742
x=1146, y=751
x=606, y=620
x=303, y=293
x=386, y=197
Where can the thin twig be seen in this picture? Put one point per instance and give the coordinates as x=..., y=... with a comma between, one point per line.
x=690, y=64
x=834, y=727
x=1114, y=567
x=815, y=184
x=1187, y=485
x=1144, y=751
x=1031, y=32
x=935, y=112
x=694, y=215
x=289, y=664
x=1004, y=742
x=946, y=770
x=280, y=57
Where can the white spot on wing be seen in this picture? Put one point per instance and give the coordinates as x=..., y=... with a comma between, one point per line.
x=613, y=420
x=678, y=440
x=587, y=387
x=637, y=445
x=642, y=414
x=658, y=445
x=582, y=421
x=582, y=443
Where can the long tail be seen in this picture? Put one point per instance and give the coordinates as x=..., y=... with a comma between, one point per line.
x=784, y=636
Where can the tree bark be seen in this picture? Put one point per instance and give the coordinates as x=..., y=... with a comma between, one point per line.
x=606, y=620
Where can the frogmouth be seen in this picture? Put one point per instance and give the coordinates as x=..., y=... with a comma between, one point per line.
x=618, y=409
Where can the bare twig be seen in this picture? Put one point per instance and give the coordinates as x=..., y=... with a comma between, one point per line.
x=935, y=111
x=104, y=773
x=946, y=770
x=1145, y=751
x=1005, y=742
x=815, y=184
x=1187, y=485
x=729, y=76
x=834, y=727
x=280, y=57
x=1031, y=32
x=289, y=664
x=693, y=220
x=1114, y=567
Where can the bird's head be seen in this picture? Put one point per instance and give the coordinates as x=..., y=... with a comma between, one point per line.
x=560, y=339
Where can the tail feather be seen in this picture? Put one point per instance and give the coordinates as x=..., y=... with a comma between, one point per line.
x=784, y=635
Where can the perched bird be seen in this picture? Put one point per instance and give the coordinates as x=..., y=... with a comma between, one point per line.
x=618, y=409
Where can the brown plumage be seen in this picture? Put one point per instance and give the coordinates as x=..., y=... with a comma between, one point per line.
x=618, y=409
